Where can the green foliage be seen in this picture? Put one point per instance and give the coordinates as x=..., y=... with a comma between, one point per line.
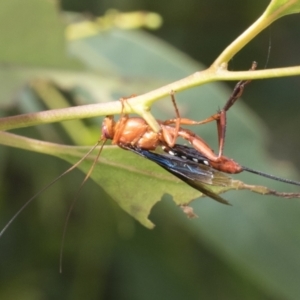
x=247, y=251
x=280, y=8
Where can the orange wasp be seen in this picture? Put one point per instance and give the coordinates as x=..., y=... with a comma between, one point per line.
x=187, y=163
x=135, y=132
x=194, y=165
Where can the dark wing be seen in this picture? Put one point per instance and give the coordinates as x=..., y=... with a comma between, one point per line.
x=192, y=154
x=186, y=152
x=179, y=166
x=192, y=157
x=194, y=174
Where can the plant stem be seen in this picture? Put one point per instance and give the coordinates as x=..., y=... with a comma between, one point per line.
x=142, y=103
x=242, y=40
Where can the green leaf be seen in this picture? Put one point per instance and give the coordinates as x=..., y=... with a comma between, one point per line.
x=280, y=8
x=116, y=164
x=32, y=33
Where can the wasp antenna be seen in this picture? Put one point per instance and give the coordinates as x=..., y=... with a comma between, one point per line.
x=45, y=188
x=75, y=200
x=271, y=176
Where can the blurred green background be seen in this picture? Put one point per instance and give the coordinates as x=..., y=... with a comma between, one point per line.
x=247, y=251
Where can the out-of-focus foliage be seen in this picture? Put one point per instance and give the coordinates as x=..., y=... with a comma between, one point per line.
x=247, y=251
